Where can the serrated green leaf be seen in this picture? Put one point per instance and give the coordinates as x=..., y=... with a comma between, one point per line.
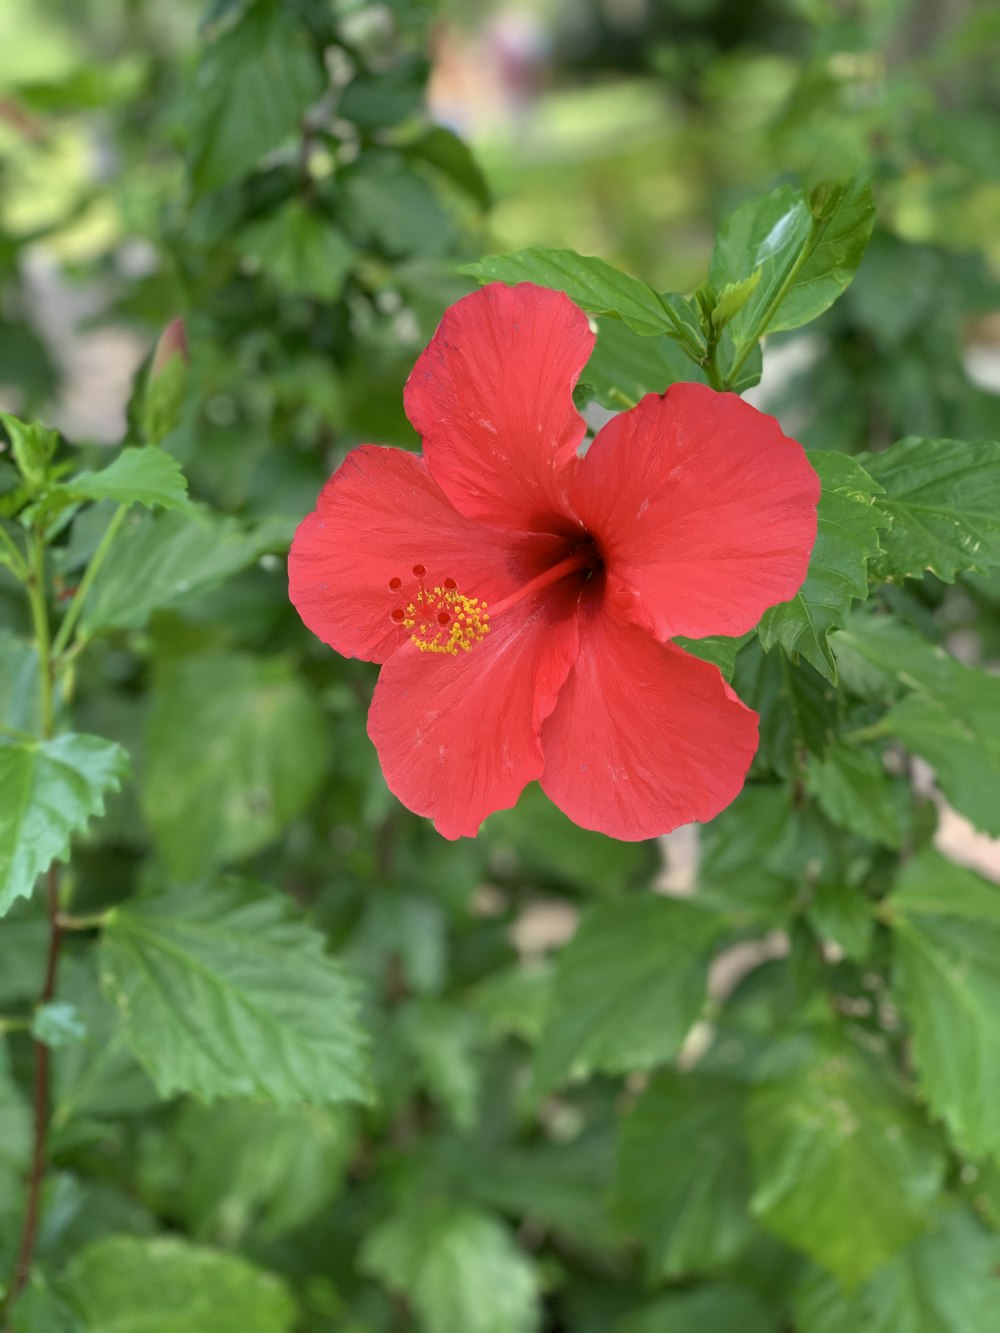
x=855, y=792
x=598, y=288
x=164, y=1284
x=846, y=539
x=49, y=790
x=946, y=1282
x=843, y=1165
x=301, y=251
x=147, y=477
x=458, y=1266
x=160, y=559
x=628, y=987
x=236, y=748
x=946, y=929
x=843, y=914
x=226, y=992
x=396, y=208
x=951, y=719
x=33, y=446
x=250, y=89
x=943, y=497
x=683, y=1180
x=806, y=251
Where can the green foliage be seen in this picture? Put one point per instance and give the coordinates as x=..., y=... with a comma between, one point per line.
x=942, y=497
x=743, y=1082
x=627, y=988
x=458, y=1266
x=137, y=476
x=224, y=992
x=847, y=538
x=165, y=1285
x=49, y=790
x=843, y=1165
x=684, y=1173
x=946, y=929
x=266, y=758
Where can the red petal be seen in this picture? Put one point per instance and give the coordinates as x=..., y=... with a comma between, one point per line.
x=644, y=737
x=492, y=399
x=703, y=509
x=380, y=514
x=458, y=736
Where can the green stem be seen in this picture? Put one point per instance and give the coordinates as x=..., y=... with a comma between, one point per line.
x=94, y=921
x=86, y=583
x=40, y=621
x=15, y=557
x=16, y=733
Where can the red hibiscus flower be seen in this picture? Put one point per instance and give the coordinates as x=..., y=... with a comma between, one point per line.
x=522, y=598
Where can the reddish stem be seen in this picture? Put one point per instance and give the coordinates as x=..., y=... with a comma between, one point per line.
x=29, y=1233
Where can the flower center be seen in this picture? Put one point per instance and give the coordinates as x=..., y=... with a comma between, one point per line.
x=442, y=619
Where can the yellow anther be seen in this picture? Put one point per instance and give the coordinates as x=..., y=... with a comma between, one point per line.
x=442, y=620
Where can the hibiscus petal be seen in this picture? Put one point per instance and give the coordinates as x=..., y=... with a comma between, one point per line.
x=379, y=515
x=703, y=509
x=458, y=736
x=644, y=737
x=491, y=398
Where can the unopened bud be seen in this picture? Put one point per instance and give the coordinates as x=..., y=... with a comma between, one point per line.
x=164, y=393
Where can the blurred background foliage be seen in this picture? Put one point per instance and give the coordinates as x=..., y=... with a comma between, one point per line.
x=301, y=180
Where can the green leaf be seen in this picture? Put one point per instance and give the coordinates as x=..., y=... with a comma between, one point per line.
x=159, y=560
x=844, y=1167
x=226, y=992
x=33, y=446
x=387, y=202
x=166, y=1285
x=943, y=497
x=710, y=1309
x=252, y=85
x=684, y=1174
x=301, y=251
x=97, y=1076
x=453, y=158
x=946, y=928
x=854, y=791
x=624, y=366
x=628, y=987
x=458, y=1266
x=846, y=539
x=19, y=690
x=147, y=476
x=946, y=1282
x=843, y=914
x=49, y=790
x=441, y=1041
x=236, y=748
x=952, y=719
x=375, y=101
x=806, y=252
x=733, y=298
x=799, y=710
x=721, y=652
x=235, y=1171
x=599, y=288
